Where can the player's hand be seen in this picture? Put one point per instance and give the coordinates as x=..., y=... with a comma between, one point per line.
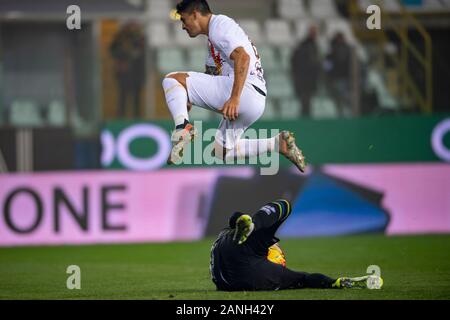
x=230, y=109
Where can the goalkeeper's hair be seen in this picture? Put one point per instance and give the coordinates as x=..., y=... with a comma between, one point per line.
x=188, y=6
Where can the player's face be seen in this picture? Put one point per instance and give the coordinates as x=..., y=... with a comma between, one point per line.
x=190, y=24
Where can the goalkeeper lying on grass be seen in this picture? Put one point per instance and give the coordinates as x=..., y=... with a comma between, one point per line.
x=246, y=256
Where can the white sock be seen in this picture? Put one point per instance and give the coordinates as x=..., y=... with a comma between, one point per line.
x=176, y=98
x=247, y=148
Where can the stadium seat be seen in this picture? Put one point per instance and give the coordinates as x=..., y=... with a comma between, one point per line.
x=323, y=107
x=158, y=9
x=56, y=114
x=158, y=34
x=279, y=85
x=289, y=109
x=182, y=38
x=285, y=58
x=253, y=30
x=323, y=9
x=81, y=125
x=170, y=60
x=376, y=83
x=25, y=113
x=269, y=111
x=269, y=59
x=291, y=9
x=301, y=28
x=333, y=26
x=278, y=32
x=197, y=59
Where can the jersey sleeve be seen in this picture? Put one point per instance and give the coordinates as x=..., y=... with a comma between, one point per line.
x=273, y=212
x=227, y=38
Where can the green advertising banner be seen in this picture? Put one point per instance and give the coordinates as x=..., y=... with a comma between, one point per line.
x=146, y=145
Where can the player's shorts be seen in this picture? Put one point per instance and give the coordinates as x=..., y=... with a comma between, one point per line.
x=211, y=93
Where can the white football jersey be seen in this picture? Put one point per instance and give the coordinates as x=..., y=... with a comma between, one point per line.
x=225, y=35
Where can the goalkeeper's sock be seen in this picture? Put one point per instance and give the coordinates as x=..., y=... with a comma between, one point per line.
x=247, y=148
x=176, y=98
x=318, y=281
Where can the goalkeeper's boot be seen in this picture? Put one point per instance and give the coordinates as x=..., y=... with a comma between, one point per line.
x=371, y=282
x=180, y=139
x=289, y=149
x=244, y=227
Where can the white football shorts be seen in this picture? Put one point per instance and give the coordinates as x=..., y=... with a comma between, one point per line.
x=211, y=93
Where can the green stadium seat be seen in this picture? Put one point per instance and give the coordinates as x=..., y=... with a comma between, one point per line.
x=301, y=29
x=158, y=9
x=323, y=107
x=56, y=114
x=182, y=39
x=170, y=60
x=25, y=113
x=285, y=58
x=289, y=109
x=197, y=59
x=324, y=9
x=253, y=30
x=292, y=9
x=278, y=32
x=376, y=83
x=279, y=85
x=159, y=35
x=268, y=58
x=270, y=111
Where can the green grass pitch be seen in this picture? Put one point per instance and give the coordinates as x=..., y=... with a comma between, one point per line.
x=413, y=267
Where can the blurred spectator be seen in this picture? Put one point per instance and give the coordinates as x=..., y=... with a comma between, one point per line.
x=306, y=66
x=128, y=51
x=337, y=66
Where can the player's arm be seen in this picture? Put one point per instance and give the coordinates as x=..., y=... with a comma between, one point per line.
x=271, y=213
x=241, y=61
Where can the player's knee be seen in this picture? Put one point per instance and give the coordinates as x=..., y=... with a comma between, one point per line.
x=167, y=81
x=177, y=76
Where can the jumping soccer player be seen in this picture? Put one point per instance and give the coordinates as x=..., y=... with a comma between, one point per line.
x=239, y=256
x=233, y=85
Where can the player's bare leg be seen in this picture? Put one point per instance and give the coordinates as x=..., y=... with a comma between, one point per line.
x=175, y=90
